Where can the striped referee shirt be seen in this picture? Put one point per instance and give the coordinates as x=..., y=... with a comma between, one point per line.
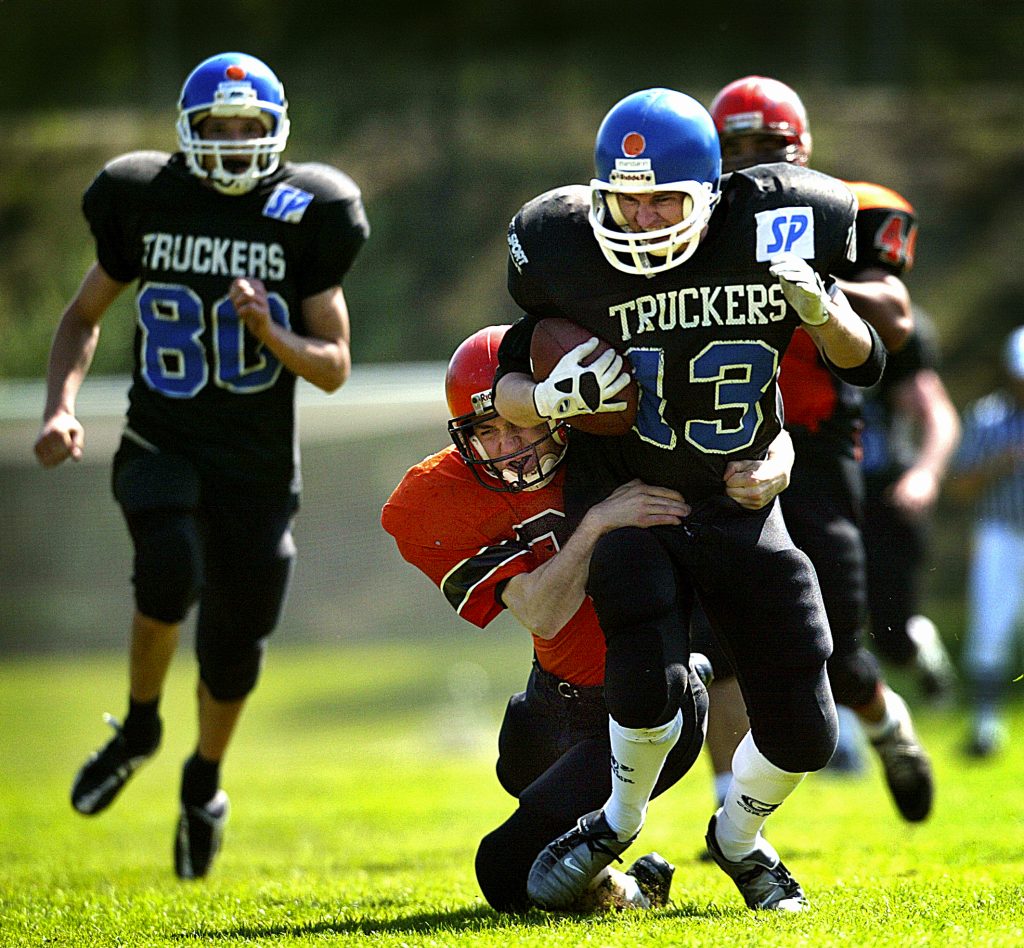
x=991, y=426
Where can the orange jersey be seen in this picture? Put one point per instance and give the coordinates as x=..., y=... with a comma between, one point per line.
x=470, y=541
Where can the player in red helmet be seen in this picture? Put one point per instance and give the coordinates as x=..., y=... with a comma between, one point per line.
x=485, y=521
x=500, y=459
x=759, y=121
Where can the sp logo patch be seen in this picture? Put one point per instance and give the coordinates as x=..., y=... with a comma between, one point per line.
x=287, y=204
x=785, y=230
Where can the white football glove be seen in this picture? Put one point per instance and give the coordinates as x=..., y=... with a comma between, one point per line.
x=802, y=287
x=575, y=389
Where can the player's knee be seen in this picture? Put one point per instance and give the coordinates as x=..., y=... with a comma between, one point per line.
x=855, y=677
x=502, y=886
x=813, y=752
x=231, y=676
x=636, y=689
x=168, y=565
x=505, y=855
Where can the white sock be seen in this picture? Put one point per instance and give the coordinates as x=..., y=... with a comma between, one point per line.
x=896, y=714
x=722, y=782
x=758, y=788
x=637, y=758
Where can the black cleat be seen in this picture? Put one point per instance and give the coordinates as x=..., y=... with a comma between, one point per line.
x=908, y=771
x=763, y=881
x=653, y=874
x=565, y=867
x=107, y=770
x=200, y=832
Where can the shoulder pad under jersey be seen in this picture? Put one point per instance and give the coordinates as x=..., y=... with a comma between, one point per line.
x=439, y=505
x=325, y=181
x=137, y=168
x=886, y=229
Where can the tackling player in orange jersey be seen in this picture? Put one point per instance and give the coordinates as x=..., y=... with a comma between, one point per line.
x=484, y=520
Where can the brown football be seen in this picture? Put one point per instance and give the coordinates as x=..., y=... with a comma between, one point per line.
x=552, y=338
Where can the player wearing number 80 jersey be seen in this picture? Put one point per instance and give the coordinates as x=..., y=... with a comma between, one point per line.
x=239, y=262
x=702, y=280
x=297, y=230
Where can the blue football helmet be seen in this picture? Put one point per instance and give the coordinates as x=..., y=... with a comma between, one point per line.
x=233, y=85
x=654, y=140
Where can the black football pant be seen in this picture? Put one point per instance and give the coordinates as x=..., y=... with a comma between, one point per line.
x=554, y=754
x=225, y=545
x=822, y=509
x=762, y=600
x=896, y=546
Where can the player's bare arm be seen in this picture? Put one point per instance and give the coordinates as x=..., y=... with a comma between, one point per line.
x=513, y=399
x=322, y=357
x=883, y=300
x=755, y=484
x=546, y=598
x=74, y=345
x=924, y=398
x=837, y=331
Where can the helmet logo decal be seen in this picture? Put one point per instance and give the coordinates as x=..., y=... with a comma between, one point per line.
x=744, y=122
x=633, y=144
x=235, y=72
x=482, y=403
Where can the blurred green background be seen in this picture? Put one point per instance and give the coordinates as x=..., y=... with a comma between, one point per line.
x=449, y=115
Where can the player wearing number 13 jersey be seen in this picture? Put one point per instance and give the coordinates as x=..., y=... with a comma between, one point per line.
x=705, y=338
x=238, y=261
x=702, y=281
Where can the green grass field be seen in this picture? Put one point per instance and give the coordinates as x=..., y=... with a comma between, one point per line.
x=361, y=780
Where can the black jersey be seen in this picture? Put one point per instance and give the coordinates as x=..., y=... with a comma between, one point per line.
x=202, y=385
x=705, y=338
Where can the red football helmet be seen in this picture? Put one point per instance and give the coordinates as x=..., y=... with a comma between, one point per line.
x=467, y=386
x=765, y=108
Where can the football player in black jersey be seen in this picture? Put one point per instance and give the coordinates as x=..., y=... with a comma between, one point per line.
x=702, y=281
x=238, y=260
x=761, y=120
x=911, y=430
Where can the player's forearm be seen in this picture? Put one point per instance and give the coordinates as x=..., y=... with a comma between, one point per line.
x=938, y=444
x=546, y=598
x=884, y=302
x=940, y=424
x=513, y=400
x=326, y=364
x=843, y=338
x=71, y=354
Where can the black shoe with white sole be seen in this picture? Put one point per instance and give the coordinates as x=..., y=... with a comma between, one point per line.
x=107, y=770
x=200, y=832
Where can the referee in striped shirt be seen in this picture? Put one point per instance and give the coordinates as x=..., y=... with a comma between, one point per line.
x=989, y=471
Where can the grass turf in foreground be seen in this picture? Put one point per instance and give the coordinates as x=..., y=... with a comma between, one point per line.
x=362, y=779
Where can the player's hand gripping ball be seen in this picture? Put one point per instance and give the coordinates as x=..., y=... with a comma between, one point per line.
x=582, y=379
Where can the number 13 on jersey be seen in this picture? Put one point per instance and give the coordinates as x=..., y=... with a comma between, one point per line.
x=740, y=372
